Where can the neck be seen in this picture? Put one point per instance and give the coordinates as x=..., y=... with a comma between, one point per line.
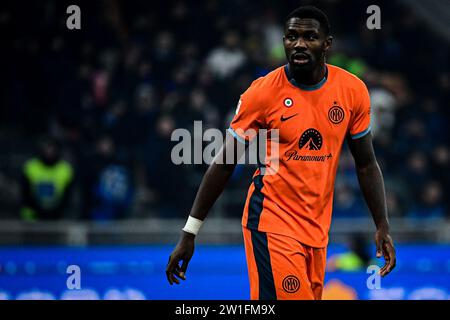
x=308, y=77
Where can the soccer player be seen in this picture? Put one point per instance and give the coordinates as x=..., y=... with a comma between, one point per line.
x=287, y=214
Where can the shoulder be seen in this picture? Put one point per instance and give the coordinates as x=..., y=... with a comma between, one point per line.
x=31, y=164
x=65, y=166
x=265, y=85
x=347, y=79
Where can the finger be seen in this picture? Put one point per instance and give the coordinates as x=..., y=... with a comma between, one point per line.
x=173, y=271
x=179, y=273
x=383, y=270
x=169, y=265
x=386, y=263
x=389, y=265
x=174, y=279
x=379, y=250
x=389, y=252
x=170, y=268
x=378, y=246
x=169, y=278
x=183, y=269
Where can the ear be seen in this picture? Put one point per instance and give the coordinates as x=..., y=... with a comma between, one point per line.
x=327, y=44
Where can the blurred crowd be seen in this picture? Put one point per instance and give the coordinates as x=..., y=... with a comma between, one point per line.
x=86, y=115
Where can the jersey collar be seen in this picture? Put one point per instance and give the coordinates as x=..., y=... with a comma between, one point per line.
x=304, y=86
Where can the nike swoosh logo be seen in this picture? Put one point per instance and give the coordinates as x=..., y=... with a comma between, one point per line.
x=287, y=118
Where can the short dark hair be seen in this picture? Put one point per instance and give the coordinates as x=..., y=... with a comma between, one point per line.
x=311, y=12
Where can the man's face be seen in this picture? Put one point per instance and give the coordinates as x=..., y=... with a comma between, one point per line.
x=304, y=43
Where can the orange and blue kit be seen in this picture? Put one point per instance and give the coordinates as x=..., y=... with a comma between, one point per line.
x=287, y=214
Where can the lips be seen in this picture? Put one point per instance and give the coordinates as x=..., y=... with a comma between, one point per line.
x=300, y=58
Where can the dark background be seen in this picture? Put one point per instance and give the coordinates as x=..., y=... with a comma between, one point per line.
x=138, y=69
x=112, y=93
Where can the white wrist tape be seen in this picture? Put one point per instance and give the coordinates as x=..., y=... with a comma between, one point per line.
x=192, y=225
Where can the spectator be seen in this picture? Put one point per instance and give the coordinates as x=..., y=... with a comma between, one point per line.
x=430, y=202
x=47, y=183
x=347, y=203
x=416, y=170
x=164, y=177
x=141, y=71
x=225, y=60
x=383, y=105
x=356, y=259
x=107, y=183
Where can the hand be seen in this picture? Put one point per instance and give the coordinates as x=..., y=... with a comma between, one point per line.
x=183, y=251
x=385, y=247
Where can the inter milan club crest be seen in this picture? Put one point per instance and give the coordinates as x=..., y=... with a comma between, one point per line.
x=288, y=102
x=336, y=114
x=291, y=284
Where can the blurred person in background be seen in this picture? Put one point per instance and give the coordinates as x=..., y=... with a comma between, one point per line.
x=47, y=183
x=429, y=203
x=226, y=59
x=417, y=170
x=153, y=62
x=357, y=258
x=164, y=178
x=383, y=105
x=347, y=202
x=440, y=157
x=106, y=182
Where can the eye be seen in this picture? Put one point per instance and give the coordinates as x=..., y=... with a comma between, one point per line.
x=291, y=37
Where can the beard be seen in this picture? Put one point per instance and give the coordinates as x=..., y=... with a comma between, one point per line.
x=303, y=68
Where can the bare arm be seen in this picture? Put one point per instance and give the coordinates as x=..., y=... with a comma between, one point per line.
x=215, y=179
x=211, y=187
x=372, y=186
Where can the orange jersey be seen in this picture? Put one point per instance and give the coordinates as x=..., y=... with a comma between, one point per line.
x=313, y=121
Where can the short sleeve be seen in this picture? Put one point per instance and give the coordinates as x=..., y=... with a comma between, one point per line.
x=249, y=116
x=360, y=122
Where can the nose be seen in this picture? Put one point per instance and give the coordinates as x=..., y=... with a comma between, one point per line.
x=300, y=43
